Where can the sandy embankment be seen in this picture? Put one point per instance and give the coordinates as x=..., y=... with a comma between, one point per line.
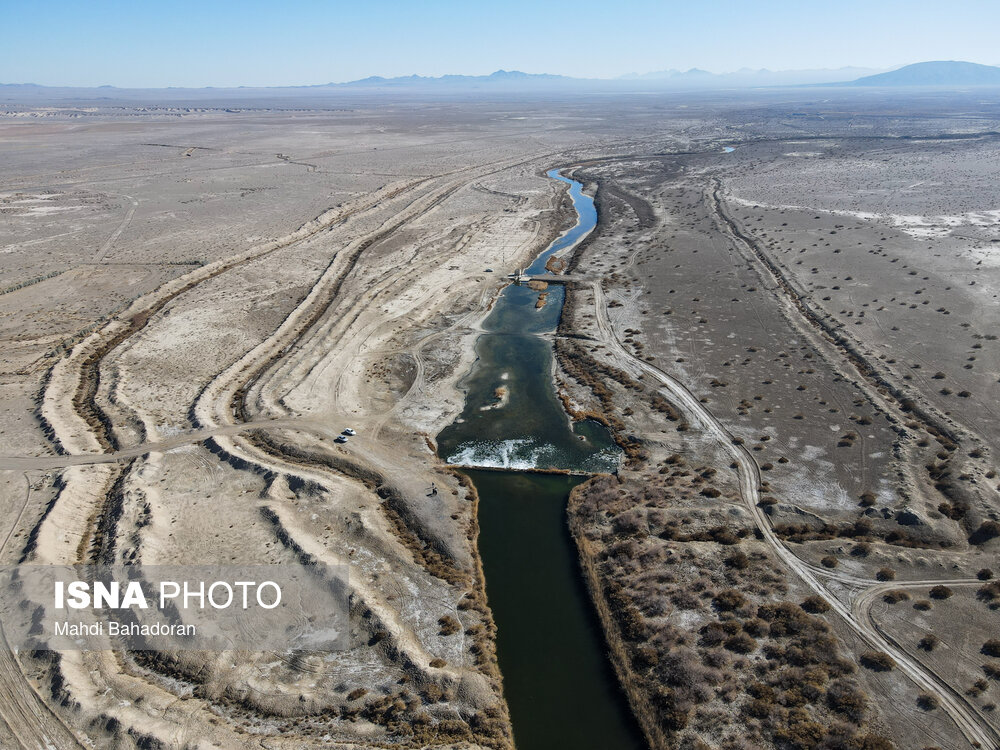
x=379, y=298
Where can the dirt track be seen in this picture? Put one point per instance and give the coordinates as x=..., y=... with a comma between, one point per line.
x=855, y=614
x=334, y=326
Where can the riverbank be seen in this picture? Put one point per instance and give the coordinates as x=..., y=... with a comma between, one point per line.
x=346, y=330
x=524, y=456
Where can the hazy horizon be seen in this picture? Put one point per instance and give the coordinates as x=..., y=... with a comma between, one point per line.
x=301, y=43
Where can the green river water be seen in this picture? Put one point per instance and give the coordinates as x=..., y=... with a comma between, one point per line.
x=558, y=681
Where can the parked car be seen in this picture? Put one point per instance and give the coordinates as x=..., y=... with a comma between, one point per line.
x=350, y=432
x=340, y=439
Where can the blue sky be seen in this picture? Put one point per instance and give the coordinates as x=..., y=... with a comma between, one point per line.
x=144, y=43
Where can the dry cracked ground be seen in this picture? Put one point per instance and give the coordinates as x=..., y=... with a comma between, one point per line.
x=788, y=315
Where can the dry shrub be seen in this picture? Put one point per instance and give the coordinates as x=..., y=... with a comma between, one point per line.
x=815, y=605
x=940, y=592
x=928, y=642
x=877, y=661
x=845, y=697
x=728, y=600
x=987, y=530
x=738, y=560
x=449, y=625
x=989, y=593
x=885, y=574
x=895, y=596
x=741, y=643
x=927, y=702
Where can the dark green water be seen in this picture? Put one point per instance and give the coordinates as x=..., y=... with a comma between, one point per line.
x=558, y=682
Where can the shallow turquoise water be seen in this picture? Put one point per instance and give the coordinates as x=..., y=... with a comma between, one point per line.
x=531, y=430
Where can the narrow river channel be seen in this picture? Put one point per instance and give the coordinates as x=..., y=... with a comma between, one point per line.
x=558, y=682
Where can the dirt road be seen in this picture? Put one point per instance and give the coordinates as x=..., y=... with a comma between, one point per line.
x=857, y=615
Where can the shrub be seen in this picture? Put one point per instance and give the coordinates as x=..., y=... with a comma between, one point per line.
x=989, y=592
x=885, y=574
x=758, y=708
x=940, y=592
x=979, y=687
x=922, y=604
x=728, y=600
x=815, y=605
x=928, y=642
x=644, y=657
x=985, y=574
x=872, y=742
x=449, y=625
x=741, y=643
x=672, y=713
x=438, y=663
x=829, y=561
x=712, y=635
x=738, y=560
x=433, y=693
x=991, y=647
x=861, y=549
x=845, y=698
x=992, y=670
x=877, y=661
x=927, y=702
x=357, y=693
x=895, y=596
x=800, y=735
x=987, y=530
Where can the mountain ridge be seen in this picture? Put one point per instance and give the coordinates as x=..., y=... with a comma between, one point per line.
x=931, y=73
x=935, y=73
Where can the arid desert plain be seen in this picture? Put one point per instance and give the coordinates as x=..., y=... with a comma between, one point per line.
x=786, y=320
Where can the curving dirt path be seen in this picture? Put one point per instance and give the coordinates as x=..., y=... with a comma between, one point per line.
x=857, y=615
x=296, y=352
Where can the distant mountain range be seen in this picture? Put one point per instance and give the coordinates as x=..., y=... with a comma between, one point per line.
x=939, y=73
x=500, y=77
x=752, y=77
x=668, y=79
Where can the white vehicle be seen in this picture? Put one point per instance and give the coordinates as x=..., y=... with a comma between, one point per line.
x=350, y=432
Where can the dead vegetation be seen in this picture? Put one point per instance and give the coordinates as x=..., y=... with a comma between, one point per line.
x=769, y=665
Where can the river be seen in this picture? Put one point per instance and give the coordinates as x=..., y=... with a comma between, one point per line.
x=558, y=682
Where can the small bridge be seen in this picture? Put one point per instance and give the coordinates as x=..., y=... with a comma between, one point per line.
x=549, y=278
